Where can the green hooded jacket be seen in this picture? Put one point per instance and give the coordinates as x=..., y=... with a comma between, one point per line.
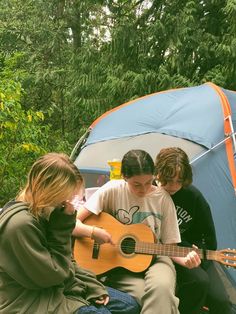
x=37, y=273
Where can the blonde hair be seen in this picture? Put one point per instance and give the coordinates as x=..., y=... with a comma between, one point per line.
x=51, y=180
x=173, y=161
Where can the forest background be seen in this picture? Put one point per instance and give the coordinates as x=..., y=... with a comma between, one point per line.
x=65, y=62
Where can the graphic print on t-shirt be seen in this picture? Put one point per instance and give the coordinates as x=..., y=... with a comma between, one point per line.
x=134, y=216
x=183, y=218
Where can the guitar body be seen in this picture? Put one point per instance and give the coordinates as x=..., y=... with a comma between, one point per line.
x=102, y=258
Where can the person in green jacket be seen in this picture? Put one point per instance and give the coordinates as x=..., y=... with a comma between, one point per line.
x=37, y=272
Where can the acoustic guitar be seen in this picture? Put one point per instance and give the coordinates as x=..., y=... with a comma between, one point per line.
x=134, y=248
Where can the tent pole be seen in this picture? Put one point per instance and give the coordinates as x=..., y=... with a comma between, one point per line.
x=212, y=148
x=78, y=145
x=233, y=133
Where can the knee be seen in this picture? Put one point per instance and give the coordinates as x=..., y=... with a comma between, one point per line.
x=202, y=282
x=163, y=286
x=196, y=284
x=162, y=289
x=199, y=280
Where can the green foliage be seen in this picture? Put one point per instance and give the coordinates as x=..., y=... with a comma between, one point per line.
x=24, y=136
x=76, y=59
x=20, y=135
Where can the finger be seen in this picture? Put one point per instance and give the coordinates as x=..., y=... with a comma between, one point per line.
x=103, y=300
x=106, y=300
x=111, y=241
x=193, y=260
x=194, y=256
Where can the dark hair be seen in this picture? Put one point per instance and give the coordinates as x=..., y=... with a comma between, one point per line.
x=170, y=162
x=136, y=162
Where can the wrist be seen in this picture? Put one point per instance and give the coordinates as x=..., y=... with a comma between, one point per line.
x=92, y=232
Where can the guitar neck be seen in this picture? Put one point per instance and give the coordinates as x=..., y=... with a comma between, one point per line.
x=172, y=250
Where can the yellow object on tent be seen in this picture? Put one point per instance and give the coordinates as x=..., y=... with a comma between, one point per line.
x=115, y=169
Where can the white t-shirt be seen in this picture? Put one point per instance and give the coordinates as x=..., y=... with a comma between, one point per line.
x=156, y=209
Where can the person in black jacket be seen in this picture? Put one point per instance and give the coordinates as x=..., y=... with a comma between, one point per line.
x=199, y=286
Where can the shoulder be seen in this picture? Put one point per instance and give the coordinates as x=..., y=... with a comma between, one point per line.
x=113, y=185
x=162, y=197
x=159, y=191
x=17, y=219
x=193, y=189
x=21, y=220
x=190, y=190
x=196, y=192
x=106, y=191
x=195, y=195
x=116, y=183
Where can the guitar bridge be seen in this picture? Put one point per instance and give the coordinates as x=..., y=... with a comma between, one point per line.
x=96, y=248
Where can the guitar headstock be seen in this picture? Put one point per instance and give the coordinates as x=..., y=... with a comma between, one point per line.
x=226, y=257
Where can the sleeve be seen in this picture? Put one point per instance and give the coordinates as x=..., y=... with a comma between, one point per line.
x=94, y=204
x=95, y=288
x=99, y=199
x=42, y=258
x=84, y=283
x=206, y=224
x=169, y=225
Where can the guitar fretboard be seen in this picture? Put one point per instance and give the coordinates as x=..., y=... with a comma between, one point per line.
x=172, y=250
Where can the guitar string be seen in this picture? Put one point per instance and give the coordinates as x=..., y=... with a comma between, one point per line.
x=171, y=250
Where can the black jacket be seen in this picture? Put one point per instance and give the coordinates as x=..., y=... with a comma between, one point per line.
x=194, y=218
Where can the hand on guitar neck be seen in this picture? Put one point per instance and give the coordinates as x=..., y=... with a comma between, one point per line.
x=191, y=260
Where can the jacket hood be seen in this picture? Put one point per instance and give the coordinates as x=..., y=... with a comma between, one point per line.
x=9, y=210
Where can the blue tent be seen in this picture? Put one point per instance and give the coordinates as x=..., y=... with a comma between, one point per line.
x=201, y=120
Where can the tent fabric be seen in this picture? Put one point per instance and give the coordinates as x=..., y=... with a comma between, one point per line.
x=165, y=113
x=116, y=148
x=201, y=120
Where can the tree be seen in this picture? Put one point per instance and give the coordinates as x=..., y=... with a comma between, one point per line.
x=76, y=59
x=24, y=135
x=22, y=138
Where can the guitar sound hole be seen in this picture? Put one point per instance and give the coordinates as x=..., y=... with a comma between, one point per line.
x=128, y=246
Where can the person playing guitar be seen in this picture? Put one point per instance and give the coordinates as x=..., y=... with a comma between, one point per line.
x=131, y=200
